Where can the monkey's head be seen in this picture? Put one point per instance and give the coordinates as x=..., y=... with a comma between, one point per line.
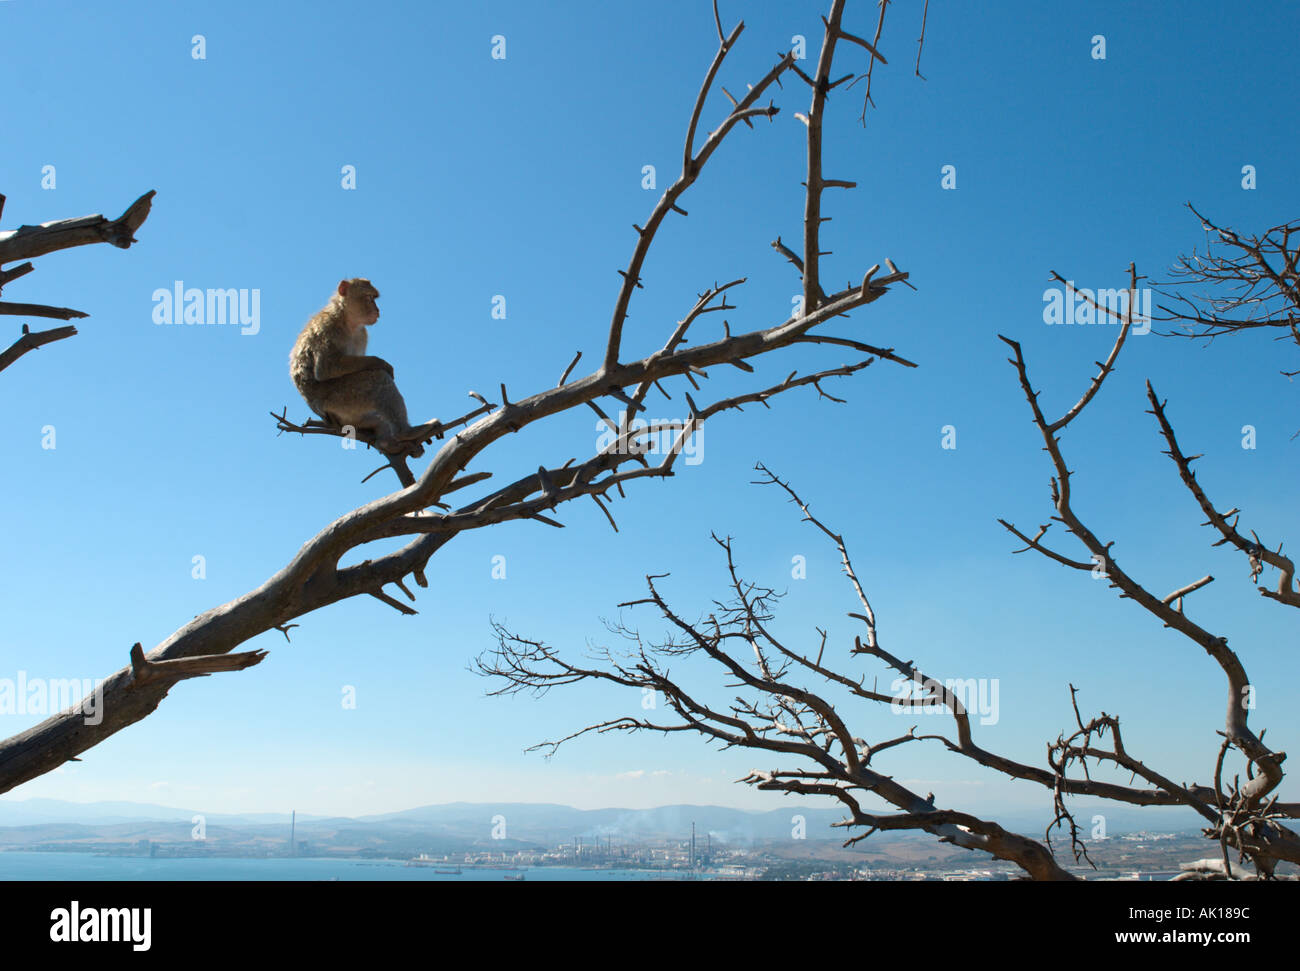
x=358, y=297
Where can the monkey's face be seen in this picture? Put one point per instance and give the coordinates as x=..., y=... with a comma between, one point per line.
x=361, y=308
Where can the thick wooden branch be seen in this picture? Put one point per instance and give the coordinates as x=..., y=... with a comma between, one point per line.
x=28, y=242
x=145, y=671
x=814, y=183
x=32, y=340
x=397, y=462
x=314, y=578
x=13, y=273
x=39, y=310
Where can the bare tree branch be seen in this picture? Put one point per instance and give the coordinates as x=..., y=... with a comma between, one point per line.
x=1256, y=552
x=778, y=715
x=31, y=341
x=1238, y=283
x=29, y=242
x=1262, y=839
x=316, y=578
x=39, y=310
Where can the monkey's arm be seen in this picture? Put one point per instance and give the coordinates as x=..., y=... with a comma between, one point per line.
x=334, y=365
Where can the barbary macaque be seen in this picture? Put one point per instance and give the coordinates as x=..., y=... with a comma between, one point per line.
x=343, y=384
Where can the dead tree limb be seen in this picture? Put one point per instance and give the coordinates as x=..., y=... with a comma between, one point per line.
x=777, y=712
x=30, y=341
x=29, y=242
x=1257, y=552
x=1238, y=283
x=1244, y=815
x=315, y=578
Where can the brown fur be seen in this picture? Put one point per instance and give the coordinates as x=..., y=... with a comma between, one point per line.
x=345, y=386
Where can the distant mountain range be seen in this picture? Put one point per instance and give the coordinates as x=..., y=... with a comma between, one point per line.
x=462, y=824
x=26, y=812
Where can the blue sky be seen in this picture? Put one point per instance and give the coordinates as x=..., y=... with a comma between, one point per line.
x=521, y=177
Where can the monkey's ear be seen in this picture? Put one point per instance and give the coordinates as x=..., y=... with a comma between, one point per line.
x=343, y=288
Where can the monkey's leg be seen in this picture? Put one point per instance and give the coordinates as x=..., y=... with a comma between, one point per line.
x=384, y=430
x=392, y=429
x=389, y=400
x=394, y=406
x=363, y=400
x=423, y=432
